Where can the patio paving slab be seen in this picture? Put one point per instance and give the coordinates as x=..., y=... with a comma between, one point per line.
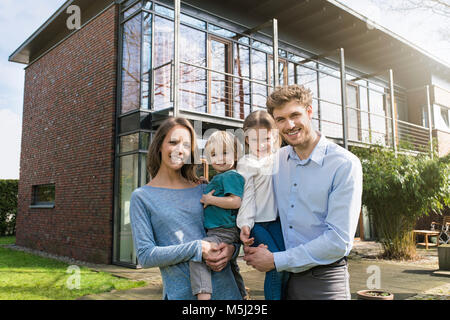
x=404, y=281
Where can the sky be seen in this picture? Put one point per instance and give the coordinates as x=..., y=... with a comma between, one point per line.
x=19, y=19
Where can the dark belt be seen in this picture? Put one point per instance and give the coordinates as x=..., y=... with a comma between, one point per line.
x=339, y=263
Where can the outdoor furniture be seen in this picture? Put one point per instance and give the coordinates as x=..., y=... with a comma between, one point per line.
x=444, y=230
x=426, y=234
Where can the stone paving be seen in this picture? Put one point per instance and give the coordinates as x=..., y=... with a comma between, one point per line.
x=412, y=280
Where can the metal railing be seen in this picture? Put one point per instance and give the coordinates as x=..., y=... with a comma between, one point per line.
x=223, y=94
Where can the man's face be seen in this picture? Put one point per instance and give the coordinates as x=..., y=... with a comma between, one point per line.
x=293, y=121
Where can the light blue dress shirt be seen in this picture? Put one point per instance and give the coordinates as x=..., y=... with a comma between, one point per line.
x=319, y=202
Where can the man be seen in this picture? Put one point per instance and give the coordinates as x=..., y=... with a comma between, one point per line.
x=318, y=190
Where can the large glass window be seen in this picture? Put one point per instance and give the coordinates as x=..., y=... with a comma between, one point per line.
x=131, y=64
x=365, y=121
x=192, y=78
x=330, y=106
x=308, y=78
x=128, y=174
x=353, y=113
x=377, y=117
x=241, y=92
x=220, y=84
x=146, y=60
x=163, y=56
x=259, y=72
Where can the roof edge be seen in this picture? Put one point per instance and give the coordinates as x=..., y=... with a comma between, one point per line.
x=388, y=32
x=16, y=56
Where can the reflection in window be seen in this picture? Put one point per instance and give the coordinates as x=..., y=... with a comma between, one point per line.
x=291, y=73
x=259, y=72
x=377, y=117
x=43, y=194
x=241, y=93
x=282, y=71
x=129, y=143
x=146, y=60
x=330, y=88
x=353, y=113
x=132, y=10
x=365, y=121
x=308, y=78
x=331, y=119
x=445, y=118
x=220, y=84
x=220, y=31
x=192, y=79
x=131, y=64
x=128, y=182
x=163, y=53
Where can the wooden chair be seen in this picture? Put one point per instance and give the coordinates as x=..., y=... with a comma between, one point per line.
x=443, y=228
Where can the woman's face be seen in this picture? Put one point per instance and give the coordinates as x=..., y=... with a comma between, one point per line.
x=176, y=148
x=261, y=141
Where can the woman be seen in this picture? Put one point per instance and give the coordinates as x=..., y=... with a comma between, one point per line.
x=167, y=217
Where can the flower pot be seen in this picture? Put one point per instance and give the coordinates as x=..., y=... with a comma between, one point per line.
x=374, y=295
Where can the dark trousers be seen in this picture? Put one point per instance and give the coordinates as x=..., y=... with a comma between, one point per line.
x=328, y=282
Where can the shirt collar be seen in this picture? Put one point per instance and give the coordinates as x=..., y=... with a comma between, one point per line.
x=316, y=155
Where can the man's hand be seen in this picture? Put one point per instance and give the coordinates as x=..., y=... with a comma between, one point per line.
x=245, y=234
x=220, y=260
x=206, y=199
x=259, y=258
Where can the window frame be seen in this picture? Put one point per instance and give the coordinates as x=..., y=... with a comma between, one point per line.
x=42, y=204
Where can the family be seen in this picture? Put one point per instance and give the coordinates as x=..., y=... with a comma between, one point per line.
x=294, y=208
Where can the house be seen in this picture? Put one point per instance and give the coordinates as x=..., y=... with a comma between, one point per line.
x=94, y=96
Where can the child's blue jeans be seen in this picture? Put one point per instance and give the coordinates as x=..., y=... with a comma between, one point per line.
x=269, y=233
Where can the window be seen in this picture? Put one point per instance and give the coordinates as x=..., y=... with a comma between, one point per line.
x=444, y=115
x=43, y=196
x=131, y=74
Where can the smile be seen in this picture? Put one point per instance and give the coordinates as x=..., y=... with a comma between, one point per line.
x=293, y=133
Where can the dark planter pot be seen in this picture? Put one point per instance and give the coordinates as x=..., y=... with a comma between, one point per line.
x=365, y=295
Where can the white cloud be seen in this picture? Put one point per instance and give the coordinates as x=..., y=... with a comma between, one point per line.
x=10, y=138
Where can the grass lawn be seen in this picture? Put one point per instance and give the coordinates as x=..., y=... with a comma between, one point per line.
x=24, y=276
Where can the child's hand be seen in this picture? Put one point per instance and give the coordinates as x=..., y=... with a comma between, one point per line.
x=206, y=199
x=245, y=234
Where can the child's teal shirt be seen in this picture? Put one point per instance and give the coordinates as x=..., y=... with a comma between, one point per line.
x=224, y=184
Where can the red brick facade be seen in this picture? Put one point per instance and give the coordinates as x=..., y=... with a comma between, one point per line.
x=68, y=140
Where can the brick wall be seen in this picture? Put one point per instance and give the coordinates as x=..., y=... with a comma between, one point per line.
x=68, y=140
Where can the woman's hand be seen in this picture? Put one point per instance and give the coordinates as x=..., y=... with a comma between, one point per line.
x=245, y=234
x=219, y=261
x=209, y=249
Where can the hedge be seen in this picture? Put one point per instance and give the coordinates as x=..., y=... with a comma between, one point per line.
x=8, y=206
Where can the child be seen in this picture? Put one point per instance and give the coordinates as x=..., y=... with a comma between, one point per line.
x=221, y=199
x=258, y=211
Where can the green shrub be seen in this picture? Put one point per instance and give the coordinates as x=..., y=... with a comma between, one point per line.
x=397, y=190
x=8, y=206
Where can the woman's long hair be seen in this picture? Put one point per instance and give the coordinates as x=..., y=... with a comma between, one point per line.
x=188, y=170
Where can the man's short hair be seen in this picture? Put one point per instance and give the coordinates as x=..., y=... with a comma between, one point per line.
x=285, y=94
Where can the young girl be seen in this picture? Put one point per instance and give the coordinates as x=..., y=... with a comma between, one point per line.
x=257, y=217
x=221, y=199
